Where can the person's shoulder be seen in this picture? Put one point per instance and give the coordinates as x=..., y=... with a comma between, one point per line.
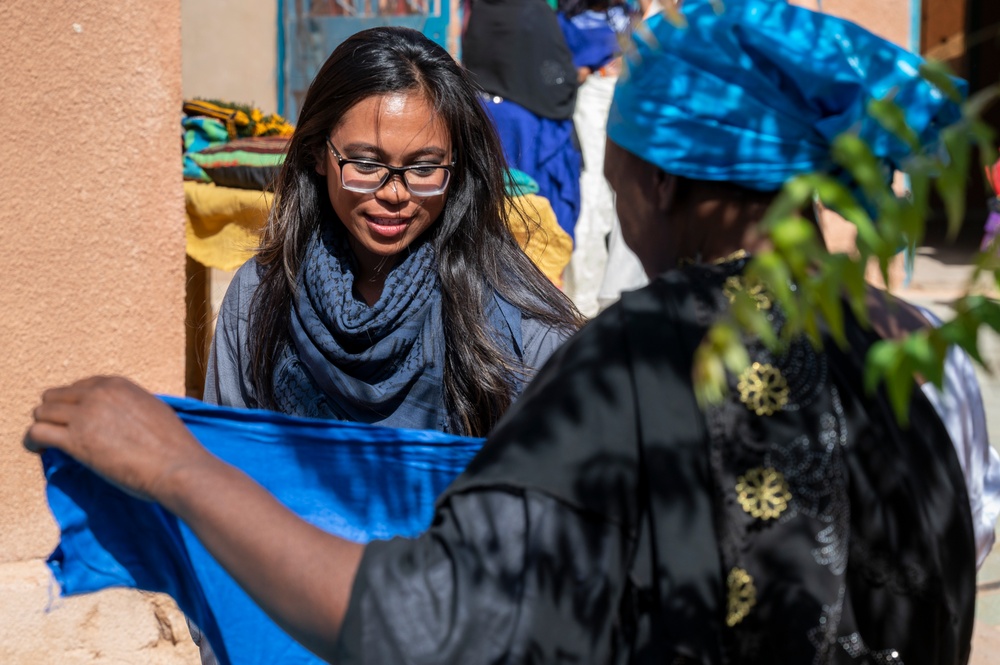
x=894, y=318
x=236, y=303
x=674, y=285
x=247, y=277
x=535, y=331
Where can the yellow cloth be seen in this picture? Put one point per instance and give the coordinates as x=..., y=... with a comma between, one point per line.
x=223, y=224
x=534, y=226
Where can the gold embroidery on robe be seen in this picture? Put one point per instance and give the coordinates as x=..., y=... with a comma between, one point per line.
x=763, y=389
x=763, y=493
x=742, y=596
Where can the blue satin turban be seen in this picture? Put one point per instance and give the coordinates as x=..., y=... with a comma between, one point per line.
x=754, y=91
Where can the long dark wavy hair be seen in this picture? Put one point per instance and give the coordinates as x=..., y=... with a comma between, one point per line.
x=476, y=252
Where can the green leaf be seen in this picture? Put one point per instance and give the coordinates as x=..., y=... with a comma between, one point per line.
x=709, y=376
x=913, y=211
x=852, y=153
x=986, y=140
x=963, y=333
x=838, y=198
x=939, y=75
x=793, y=197
x=887, y=363
x=889, y=114
x=986, y=310
x=796, y=240
x=852, y=276
x=828, y=296
x=883, y=359
x=899, y=385
x=923, y=356
x=773, y=272
x=951, y=182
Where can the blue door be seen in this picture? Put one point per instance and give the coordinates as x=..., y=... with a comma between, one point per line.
x=309, y=30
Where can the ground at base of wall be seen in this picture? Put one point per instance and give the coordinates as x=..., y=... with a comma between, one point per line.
x=113, y=627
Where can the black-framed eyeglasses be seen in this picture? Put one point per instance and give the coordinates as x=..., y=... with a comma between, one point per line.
x=366, y=176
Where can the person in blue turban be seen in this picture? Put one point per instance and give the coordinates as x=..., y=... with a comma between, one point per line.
x=608, y=518
x=721, y=101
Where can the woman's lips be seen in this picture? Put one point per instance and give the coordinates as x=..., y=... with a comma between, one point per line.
x=387, y=227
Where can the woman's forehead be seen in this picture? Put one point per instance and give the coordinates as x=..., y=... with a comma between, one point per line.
x=394, y=118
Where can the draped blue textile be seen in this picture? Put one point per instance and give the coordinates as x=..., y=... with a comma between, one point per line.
x=359, y=482
x=756, y=93
x=545, y=150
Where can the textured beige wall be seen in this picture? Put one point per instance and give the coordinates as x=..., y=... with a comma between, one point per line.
x=230, y=51
x=92, y=281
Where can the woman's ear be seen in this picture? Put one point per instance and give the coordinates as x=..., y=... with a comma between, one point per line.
x=664, y=190
x=321, y=164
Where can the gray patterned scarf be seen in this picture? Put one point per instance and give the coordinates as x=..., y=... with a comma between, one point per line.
x=382, y=364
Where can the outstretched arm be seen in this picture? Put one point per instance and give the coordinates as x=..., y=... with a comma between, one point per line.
x=300, y=575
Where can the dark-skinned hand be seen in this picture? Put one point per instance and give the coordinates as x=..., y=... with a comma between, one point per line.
x=121, y=431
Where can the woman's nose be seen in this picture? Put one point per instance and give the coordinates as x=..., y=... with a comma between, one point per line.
x=394, y=190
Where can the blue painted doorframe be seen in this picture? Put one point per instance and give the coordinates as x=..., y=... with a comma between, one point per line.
x=309, y=30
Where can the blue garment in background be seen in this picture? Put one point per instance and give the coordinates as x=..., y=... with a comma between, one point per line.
x=592, y=42
x=545, y=150
x=359, y=482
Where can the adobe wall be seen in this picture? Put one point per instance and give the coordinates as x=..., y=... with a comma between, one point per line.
x=93, y=282
x=889, y=19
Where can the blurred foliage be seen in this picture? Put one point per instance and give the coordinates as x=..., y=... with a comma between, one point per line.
x=812, y=286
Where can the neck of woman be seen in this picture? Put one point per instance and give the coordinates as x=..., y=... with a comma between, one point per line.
x=713, y=225
x=370, y=277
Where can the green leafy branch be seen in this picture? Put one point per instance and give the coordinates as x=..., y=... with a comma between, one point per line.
x=812, y=286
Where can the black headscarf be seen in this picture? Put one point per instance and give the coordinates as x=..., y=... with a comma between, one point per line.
x=516, y=50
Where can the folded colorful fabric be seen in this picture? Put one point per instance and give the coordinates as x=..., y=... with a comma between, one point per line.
x=200, y=133
x=241, y=120
x=250, y=163
x=356, y=481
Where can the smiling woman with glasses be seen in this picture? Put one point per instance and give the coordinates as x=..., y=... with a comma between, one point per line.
x=388, y=288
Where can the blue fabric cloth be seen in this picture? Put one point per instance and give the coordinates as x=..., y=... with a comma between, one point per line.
x=359, y=482
x=755, y=94
x=544, y=149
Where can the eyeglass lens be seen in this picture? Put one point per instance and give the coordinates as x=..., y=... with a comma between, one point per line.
x=423, y=181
